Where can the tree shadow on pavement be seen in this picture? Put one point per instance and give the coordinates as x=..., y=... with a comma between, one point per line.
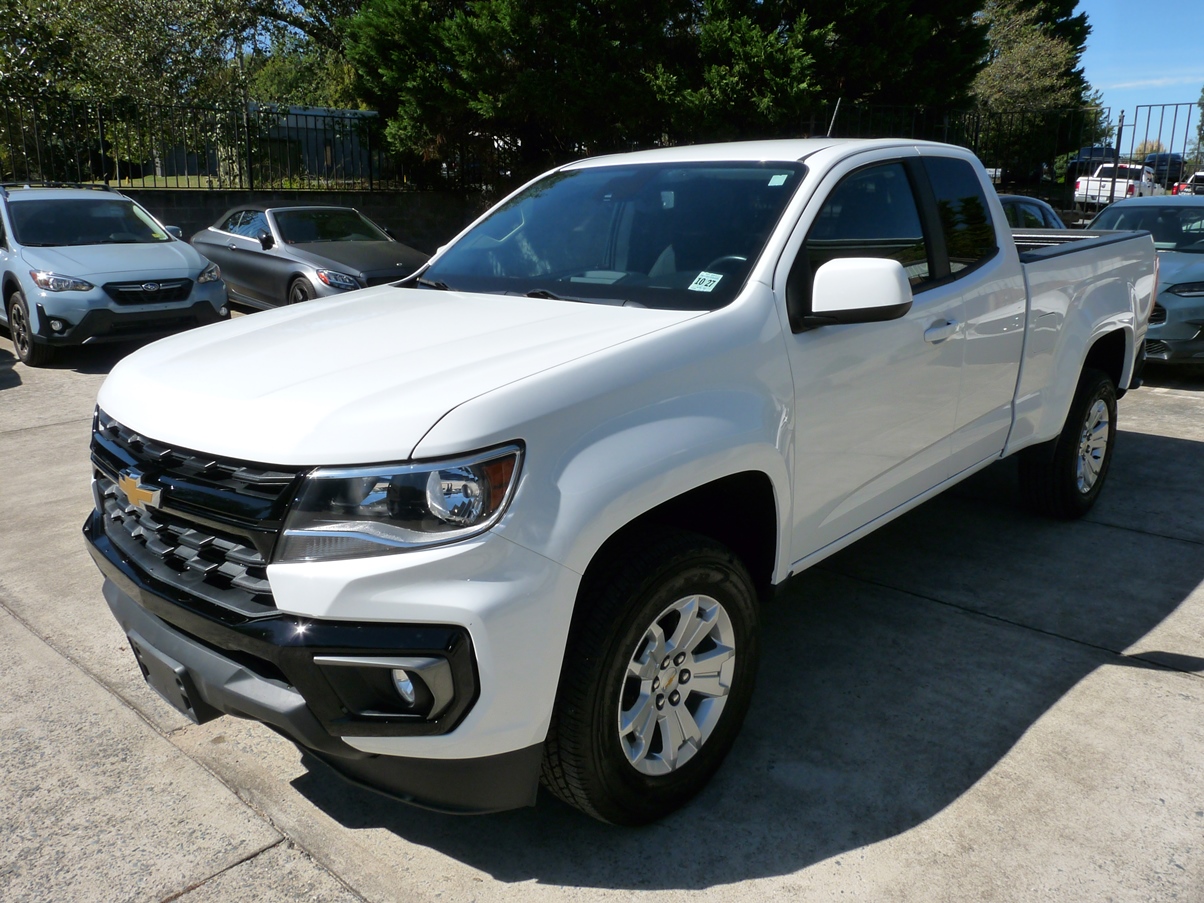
x=896, y=674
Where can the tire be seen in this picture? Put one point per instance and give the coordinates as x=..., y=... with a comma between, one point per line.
x=627, y=687
x=1064, y=477
x=29, y=352
x=299, y=290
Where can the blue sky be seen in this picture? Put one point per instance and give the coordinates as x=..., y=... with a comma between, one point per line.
x=1145, y=52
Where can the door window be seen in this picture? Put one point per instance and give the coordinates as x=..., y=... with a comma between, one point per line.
x=871, y=213
x=964, y=213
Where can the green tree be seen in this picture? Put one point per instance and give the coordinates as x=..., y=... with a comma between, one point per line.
x=145, y=50
x=293, y=68
x=557, y=78
x=902, y=52
x=1028, y=66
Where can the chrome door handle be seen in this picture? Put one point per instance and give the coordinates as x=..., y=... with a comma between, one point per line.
x=938, y=332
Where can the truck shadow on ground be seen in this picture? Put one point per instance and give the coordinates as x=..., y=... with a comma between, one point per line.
x=896, y=674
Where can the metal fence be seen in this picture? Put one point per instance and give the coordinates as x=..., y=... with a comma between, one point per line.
x=248, y=147
x=272, y=147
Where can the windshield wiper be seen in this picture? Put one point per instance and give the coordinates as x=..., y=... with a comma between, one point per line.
x=547, y=295
x=431, y=283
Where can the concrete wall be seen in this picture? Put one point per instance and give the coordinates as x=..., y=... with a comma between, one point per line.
x=421, y=219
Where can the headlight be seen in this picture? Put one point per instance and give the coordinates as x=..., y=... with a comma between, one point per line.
x=1188, y=289
x=211, y=273
x=351, y=512
x=337, y=280
x=53, y=282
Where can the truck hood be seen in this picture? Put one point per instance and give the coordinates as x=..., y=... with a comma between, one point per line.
x=127, y=260
x=352, y=379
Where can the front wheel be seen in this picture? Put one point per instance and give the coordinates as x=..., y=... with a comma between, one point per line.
x=657, y=677
x=1064, y=477
x=299, y=290
x=29, y=352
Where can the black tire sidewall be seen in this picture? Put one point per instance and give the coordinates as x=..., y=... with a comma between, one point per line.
x=1094, y=386
x=30, y=355
x=306, y=290
x=628, y=796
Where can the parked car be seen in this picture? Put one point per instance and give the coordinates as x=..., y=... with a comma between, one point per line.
x=1168, y=168
x=1176, y=332
x=1029, y=213
x=1193, y=184
x=512, y=518
x=1114, y=181
x=1088, y=160
x=283, y=255
x=82, y=265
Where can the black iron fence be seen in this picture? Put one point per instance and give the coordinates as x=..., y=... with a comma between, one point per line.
x=246, y=147
x=272, y=147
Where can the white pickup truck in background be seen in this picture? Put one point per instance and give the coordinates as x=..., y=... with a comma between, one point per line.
x=1112, y=182
x=512, y=518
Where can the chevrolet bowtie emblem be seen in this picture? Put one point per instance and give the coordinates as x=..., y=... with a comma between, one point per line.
x=138, y=495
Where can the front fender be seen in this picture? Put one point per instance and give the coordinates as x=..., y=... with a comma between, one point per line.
x=613, y=435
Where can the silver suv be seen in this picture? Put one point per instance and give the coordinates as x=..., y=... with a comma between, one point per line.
x=82, y=264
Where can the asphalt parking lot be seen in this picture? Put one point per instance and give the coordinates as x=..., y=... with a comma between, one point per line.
x=971, y=704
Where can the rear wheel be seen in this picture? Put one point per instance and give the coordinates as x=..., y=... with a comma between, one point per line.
x=657, y=677
x=1064, y=477
x=20, y=328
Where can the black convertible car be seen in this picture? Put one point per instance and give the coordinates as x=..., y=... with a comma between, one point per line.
x=281, y=255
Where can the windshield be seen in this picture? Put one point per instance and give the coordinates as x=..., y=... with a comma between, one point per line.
x=1177, y=228
x=302, y=226
x=83, y=221
x=668, y=236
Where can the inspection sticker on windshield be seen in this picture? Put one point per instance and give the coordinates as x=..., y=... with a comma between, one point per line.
x=779, y=179
x=705, y=282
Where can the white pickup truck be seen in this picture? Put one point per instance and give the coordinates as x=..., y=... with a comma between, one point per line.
x=1112, y=182
x=513, y=517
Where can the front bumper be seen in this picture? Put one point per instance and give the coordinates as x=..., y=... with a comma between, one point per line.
x=208, y=663
x=1179, y=338
x=107, y=325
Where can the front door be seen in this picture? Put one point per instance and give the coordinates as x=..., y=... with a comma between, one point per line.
x=875, y=402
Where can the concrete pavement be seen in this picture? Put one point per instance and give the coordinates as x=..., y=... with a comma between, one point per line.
x=971, y=704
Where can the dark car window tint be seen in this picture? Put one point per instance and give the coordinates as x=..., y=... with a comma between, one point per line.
x=964, y=212
x=254, y=223
x=230, y=224
x=301, y=226
x=1029, y=216
x=92, y=221
x=872, y=213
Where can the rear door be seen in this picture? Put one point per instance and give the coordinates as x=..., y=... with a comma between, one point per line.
x=985, y=273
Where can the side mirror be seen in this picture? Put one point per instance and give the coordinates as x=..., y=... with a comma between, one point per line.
x=175, y=232
x=858, y=290
x=265, y=239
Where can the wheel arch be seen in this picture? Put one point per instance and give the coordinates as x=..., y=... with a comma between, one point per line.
x=740, y=511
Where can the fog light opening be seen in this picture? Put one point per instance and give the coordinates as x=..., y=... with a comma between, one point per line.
x=404, y=685
x=57, y=325
x=224, y=312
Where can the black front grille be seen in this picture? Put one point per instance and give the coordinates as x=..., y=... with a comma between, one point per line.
x=210, y=531
x=149, y=292
x=1158, y=314
x=384, y=280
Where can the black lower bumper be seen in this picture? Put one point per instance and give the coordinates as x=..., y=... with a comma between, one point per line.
x=104, y=325
x=263, y=670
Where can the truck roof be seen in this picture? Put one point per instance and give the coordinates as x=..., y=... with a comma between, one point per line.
x=787, y=150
